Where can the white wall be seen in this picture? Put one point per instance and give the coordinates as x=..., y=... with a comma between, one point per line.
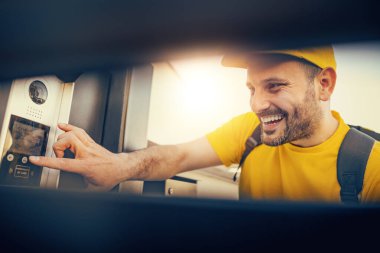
x=194, y=96
x=357, y=93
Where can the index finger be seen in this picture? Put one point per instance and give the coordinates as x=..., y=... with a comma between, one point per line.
x=65, y=164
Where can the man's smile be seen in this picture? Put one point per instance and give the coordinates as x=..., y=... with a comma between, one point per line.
x=270, y=122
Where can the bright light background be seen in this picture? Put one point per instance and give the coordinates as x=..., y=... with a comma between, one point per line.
x=194, y=96
x=357, y=91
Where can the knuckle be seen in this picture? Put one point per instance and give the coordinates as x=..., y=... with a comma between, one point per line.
x=70, y=137
x=61, y=136
x=56, y=145
x=78, y=130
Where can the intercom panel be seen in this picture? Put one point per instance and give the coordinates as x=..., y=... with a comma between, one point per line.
x=35, y=106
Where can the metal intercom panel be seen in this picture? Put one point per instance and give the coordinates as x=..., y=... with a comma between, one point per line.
x=35, y=106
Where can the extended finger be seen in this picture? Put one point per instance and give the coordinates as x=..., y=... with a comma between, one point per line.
x=65, y=164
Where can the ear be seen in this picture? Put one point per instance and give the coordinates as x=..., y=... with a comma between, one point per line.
x=326, y=82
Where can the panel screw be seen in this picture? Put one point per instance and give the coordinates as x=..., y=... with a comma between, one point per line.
x=170, y=191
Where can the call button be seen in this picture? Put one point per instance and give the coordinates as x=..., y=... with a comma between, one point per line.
x=10, y=157
x=24, y=160
x=22, y=172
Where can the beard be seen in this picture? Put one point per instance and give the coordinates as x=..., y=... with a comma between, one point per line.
x=301, y=123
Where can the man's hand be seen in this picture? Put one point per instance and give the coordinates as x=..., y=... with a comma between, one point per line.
x=101, y=168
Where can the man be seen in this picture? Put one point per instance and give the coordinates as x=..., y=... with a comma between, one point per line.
x=290, y=98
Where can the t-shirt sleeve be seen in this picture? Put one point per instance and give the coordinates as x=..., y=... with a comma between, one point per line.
x=371, y=184
x=228, y=141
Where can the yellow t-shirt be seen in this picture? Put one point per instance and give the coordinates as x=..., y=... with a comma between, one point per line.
x=288, y=171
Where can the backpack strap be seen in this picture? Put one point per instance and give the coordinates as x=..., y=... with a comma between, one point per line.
x=253, y=141
x=371, y=133
x=352, y=162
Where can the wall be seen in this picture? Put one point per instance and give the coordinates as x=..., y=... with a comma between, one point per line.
x=358, y=84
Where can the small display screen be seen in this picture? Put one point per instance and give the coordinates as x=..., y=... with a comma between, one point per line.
x=28, y=137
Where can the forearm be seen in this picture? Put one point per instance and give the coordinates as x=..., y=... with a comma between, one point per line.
x=103, y=169
x=154, y=163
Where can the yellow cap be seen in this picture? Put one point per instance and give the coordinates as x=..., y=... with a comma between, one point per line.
x=323, y=57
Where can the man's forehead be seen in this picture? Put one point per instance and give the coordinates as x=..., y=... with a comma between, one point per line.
x=260, y=69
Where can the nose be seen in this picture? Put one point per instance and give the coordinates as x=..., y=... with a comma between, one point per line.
x=259, y=101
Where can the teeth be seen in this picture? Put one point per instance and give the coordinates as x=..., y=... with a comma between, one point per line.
x=267, y=119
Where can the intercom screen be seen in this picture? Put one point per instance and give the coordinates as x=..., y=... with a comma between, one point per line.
x=28, y=137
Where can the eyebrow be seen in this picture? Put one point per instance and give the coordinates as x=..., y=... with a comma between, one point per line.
x=269, y=80
x=274, y=80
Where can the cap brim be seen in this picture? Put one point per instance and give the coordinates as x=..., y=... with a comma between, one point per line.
x=322, y=57
x=240, y=60
x=236, y=61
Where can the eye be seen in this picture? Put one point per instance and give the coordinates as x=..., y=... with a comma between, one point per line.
x=274, y=87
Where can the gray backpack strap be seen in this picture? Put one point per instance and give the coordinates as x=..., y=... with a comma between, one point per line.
x=352, y=162
x=253, y=141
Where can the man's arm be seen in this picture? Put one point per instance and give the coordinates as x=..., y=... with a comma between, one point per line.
x=103, y=169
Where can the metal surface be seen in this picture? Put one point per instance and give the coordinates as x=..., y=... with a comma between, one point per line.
x=116, y=111
x=42, y=100
x=88, y=110
x=113, y=108
x=136, y=126
x=137, y=116
x=5, y=89
x=180, y=188
x=52, y=179
x=89, y=103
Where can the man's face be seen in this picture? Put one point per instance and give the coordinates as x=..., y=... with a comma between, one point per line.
x=285, y=101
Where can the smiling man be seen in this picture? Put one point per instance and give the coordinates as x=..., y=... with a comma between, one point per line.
x=290, y=100
x=283, y=96
x=300, y=136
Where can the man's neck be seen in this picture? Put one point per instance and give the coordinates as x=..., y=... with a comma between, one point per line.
x=326, y=129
